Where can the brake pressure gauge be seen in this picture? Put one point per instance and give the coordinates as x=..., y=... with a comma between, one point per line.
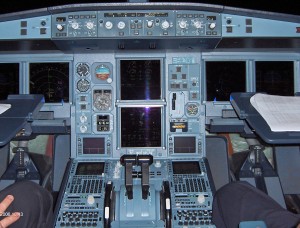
x=192, y=109
x=83, y=85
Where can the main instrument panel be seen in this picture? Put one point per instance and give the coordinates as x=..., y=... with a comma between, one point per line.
x=139, y=126
x=131, y=105
x=138, y=130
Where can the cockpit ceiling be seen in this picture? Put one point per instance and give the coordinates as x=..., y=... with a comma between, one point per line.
x=279, y=6
x=169, y=25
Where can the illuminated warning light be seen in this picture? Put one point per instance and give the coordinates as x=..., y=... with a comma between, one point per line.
x=180, y=126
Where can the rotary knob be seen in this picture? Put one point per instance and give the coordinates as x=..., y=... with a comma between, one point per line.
x=121, y=25
x=150, y=24
x=109, y=80
x=109, y=25
x=201, y=199
x=183, y=24
x=90, y=25
x=75, y=25
x=83, y=129
x=165, y=24
x=212, y=25
x=90, y=200
x=60, y=27
x=197, y=24
x=83, y=119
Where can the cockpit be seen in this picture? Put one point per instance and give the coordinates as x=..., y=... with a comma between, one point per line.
x=135, y=114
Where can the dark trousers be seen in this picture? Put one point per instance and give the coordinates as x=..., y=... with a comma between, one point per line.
x=240, y=201
x=33, y=202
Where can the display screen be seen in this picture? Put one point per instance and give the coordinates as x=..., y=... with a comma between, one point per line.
x=50, y=80
x=93, y=146
x=223, y=78
x=9, y=79
x=90, y=168
x=191, y=167
x=275, y=77
x=184, y=144
x=140, y=79
x=141, y=127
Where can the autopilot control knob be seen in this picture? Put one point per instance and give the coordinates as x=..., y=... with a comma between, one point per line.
x=150, y=24
x=109, y=25
x=183, y=24
x=75, y=25
x=212, y=25
x=60, y=27
x=121, y=25
x=197, y=24
x=165, y=24
x=90, y=25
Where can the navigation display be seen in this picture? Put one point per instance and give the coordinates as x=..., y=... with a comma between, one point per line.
x=9, y=79
x=141, y=127
x=275, y=77
x=51, y=80
x=223, y=78
x=140, y=79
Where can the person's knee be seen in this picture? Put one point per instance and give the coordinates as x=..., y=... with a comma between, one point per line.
x=231, y=194
x=29, y=188
x=32, y=201
x=28, y=194
x=234, y=189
